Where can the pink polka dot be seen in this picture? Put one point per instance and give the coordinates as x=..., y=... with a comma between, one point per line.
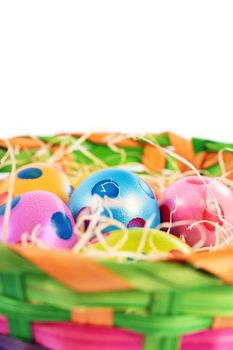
x=165, y=213
x=136, y=222
x=195, y=180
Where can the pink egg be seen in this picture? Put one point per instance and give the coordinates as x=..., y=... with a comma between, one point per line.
x=42, y=208
x=193, y=200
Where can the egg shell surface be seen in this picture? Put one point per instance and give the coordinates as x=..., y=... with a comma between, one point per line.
x=161, y=241
x=40, y=177
x=40, y=208
x=193, y=199
x=123, y=196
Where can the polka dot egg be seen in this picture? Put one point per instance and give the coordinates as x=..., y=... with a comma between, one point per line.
x=40, y=176
x=56, y=224
x=122, y=195
x=195, y=205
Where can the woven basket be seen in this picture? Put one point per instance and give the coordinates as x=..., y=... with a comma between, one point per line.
x=63, y=301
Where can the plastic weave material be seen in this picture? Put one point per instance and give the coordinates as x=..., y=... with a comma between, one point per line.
x=58, y=300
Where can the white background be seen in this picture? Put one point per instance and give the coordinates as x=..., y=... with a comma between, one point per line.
x=134, y=66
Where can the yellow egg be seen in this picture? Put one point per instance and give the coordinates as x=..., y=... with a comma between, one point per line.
x=40, y=176
x=159, y=242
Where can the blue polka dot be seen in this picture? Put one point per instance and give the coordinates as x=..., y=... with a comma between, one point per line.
x=14, y=202
x=70, y=190
x=30, y=173
x=62, y=225
x=107, y=188
x=146, y=188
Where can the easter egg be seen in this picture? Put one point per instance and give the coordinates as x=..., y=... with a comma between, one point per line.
x=152, y=185
x=156, y=241
x=40, y=177
x=201, y=202
x=56, y=224
x=118, y=194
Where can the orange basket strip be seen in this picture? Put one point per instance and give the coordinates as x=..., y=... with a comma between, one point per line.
x=206, y=160
x=182, y=147
x=218, y=263
x=153, y=158
x=222, y=322
x=102, y=138
x=200, y=159
x=22, y=143
x=210, y=160
x=228, y=159
x=93, y=316
x=77, y=272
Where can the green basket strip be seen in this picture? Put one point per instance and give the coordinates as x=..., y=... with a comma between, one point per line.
x=217, y=301
x=20, y=328
x=13, y=285
x=198, y=144
x=151, y=342
x=163, y=304
x=41, y=288
x=67, y=140
x=2, y=152
x=136, y=276
x=178, y=275
x=214, y=170
x=171, y=343
x=32, y=312
x=23, y=158
x=162, y=326
x=209, y=146
x=160, y=139
x=160, y=276
x=212, y=146
x=108, y=156
x=12, y=262
x=172, y=164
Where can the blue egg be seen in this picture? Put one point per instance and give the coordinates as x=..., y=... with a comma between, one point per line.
x=119, y=194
